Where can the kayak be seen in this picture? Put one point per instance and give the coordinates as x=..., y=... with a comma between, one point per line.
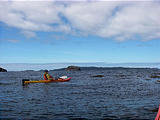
x=26, y=81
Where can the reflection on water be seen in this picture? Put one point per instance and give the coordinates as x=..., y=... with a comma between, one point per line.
x=120, y=94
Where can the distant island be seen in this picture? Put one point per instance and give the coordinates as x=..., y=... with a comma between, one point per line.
x=54, y=66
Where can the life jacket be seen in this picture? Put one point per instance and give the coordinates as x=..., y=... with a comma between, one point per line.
x=45, y=77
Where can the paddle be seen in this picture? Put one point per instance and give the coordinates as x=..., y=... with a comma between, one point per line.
x=23, y=80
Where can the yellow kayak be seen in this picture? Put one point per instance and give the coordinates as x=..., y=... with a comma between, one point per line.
x=26, y=81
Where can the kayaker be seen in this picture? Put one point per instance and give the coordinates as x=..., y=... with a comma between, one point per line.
x=47, y=76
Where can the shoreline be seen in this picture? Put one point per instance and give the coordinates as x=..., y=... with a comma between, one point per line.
x=87, y=68
x=54, y=66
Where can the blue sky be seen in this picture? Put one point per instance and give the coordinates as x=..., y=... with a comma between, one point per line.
x=51, y=32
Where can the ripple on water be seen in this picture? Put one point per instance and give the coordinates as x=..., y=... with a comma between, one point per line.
x=7, y=83
x=119, y=94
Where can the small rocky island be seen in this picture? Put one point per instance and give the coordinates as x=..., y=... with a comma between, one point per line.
x=73, y=68
x=3, y=70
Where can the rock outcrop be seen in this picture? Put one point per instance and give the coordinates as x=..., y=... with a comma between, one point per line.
x=98, y=76
x=155, y=76
x=3, y=70
x=74, y=68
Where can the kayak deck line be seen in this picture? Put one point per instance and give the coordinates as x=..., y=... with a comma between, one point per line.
x=27, y=81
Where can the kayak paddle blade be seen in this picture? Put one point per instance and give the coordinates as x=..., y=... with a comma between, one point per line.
x=23, y=80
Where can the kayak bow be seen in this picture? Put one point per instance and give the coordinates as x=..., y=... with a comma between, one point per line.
x=27, y=81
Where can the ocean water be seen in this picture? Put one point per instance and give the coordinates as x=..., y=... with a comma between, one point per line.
x=122, y=94
x=52, y=66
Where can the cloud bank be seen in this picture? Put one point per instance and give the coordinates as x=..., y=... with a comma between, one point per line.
x=119, y=20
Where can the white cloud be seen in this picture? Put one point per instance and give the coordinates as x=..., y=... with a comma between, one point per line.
x=119, y=20
x=13, y=41
x=134, y=19
x=89, y=17
x=28, y=34
x=29, y=15
x=58, y=37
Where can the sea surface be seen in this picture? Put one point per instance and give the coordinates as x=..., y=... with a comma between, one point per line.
x=118, y=94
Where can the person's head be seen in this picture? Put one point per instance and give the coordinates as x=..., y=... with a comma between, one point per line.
x=46, y=71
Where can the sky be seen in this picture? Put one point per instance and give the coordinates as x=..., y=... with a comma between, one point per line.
x=53, y=31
